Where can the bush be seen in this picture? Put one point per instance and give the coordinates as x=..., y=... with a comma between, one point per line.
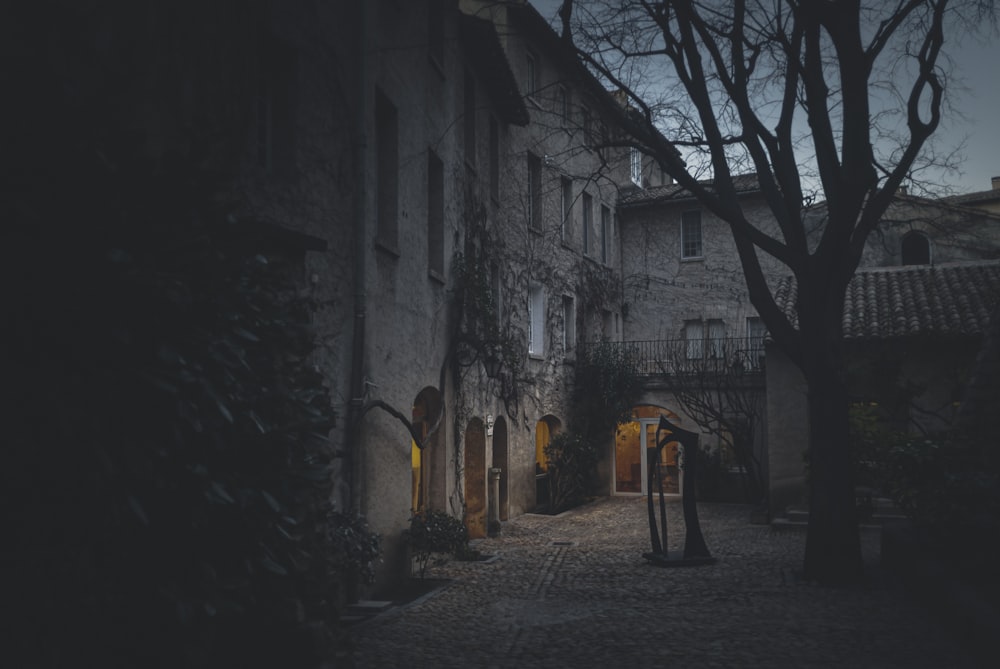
x=436, y=532
x=572, y=461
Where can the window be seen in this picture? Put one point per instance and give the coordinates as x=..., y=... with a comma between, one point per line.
x=534, y=200
x=756, y=332
x=588, y=206
x=603, y=140
x=567, y=207
x=435, y=33
x=716, y=339
x=531, y=74
x=916, y=249
x=588, y=126
x=635, y=159
x=691, y=234
x=435, y=214
x=694, y=335
x=495, y=290
x=469, y=107
x=494, y=159
x=562, y=104
x=536, y=319
x=605, y=232
x=569, y=323
x=607, y=323
x=387, y=170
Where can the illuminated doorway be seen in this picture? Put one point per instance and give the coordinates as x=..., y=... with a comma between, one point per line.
x=545, y=429
x=475, y=479
x=427, y=464
x=631, y=441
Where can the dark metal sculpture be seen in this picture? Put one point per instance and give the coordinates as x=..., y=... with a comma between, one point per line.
x=695, y=550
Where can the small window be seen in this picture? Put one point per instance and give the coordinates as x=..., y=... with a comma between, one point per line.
x=567, y=207
x=756, y=332
x=569, y=323
x=531, y=74
x=387, y=170
x=435, y=215
x=691, y=246
x=470, y=119
x=635, y=159
x=494, y=159
x=587, y=123
x=536, y=319
x=607, y=325
x=716, y=338
x=562, y=104
x=534, y=199
x=605, y=233
x=588, y=213
x=916, y=249
x=694, y=335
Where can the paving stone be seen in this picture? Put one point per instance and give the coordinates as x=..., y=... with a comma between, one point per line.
x=574, y=591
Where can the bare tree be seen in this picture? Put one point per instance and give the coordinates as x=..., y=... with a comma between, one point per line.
x=784, y=88
x=721, y=393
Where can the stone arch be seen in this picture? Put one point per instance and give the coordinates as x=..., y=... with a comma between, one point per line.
x=547, y=427
x=475, y=478
x=915, y=248
x=428, y=463
x=501, y=461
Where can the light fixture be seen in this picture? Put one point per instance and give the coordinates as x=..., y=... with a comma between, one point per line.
x=492, y=363
x=489, y=424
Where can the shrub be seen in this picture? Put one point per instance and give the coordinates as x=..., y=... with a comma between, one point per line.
x=572, y=461
x=436, y=532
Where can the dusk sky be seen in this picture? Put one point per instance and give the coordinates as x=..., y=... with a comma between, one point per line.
x=977, y=60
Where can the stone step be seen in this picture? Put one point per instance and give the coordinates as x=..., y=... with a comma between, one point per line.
x=367, y=607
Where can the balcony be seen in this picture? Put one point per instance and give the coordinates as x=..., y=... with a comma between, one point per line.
x=686, y=358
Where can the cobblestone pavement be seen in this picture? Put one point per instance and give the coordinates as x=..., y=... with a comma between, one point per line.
x=574, y=591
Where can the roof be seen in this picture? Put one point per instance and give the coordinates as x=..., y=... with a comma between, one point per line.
x=480, y=39
x=967, y=199
x=946, y=300
x=744, y=183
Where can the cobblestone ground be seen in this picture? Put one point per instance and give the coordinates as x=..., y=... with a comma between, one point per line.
x=574, y=591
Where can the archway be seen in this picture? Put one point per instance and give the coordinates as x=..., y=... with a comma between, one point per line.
x=427, y=464
x=631, y=441
x=475, y=479
x=501, y=461
x=915, y=249
x=546, y=428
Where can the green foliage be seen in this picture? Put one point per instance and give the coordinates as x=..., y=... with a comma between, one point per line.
x=355, y=549
x=945, y=482
x=436, y=532
x=571, y=465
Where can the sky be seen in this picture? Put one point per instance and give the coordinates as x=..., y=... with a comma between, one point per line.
x=977, y=63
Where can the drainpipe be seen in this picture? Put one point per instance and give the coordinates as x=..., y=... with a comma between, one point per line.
x=360, y=139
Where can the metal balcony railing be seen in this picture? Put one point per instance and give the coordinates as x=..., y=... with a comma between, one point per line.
x=683, y=356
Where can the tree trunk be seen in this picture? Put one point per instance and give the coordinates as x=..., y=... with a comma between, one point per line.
x=833, y=545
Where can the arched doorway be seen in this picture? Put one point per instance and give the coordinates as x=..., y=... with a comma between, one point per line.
x=475, y=479
x=501, y=461
x=427, y=463
x=631, y=441
x=546, y=428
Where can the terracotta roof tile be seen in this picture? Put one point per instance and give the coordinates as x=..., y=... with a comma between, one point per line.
x=890, y=302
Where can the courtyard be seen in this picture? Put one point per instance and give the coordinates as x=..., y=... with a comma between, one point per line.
x=574, y=591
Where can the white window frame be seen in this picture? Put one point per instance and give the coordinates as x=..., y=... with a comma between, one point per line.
x=688, y=218
x=536, y=319
x=635, y=162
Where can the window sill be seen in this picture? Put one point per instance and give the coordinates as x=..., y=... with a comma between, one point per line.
x=531, y=98
x=536, y=356
x=694, y=259
x=388, y=249
x=436, y=276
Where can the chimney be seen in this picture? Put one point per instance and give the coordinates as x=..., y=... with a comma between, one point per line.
x=995, y=182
